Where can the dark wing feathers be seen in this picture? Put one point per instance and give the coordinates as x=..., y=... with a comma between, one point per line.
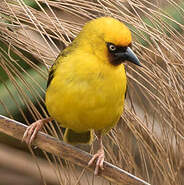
x=52, y=70
x=126, y=91
x=63, y=53
x=51, y=75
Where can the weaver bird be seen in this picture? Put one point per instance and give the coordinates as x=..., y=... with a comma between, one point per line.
x=87, y=84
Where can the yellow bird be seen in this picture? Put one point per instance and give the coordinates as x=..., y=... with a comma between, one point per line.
x=87, y=84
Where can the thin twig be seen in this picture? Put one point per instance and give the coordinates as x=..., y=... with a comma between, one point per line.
x=68, y=152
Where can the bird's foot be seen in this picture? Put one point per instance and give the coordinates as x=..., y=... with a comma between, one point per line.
x=33, y=129
x=99, y=157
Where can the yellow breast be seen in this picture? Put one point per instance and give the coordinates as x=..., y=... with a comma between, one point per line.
x=86, y=95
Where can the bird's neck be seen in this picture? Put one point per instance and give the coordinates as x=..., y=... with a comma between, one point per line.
x=94, y=45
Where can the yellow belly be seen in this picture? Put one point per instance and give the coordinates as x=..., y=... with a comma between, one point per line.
x=89, y=98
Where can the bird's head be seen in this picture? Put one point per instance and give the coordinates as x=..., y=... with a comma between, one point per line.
x=109, y=39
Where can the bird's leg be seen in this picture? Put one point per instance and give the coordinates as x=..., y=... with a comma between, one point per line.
x=99, y=156
x=32, y=130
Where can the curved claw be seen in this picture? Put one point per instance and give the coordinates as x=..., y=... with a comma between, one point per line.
x=31, y=131
x=100, y=159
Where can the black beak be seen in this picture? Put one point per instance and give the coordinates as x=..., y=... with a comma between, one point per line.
x=128, y=55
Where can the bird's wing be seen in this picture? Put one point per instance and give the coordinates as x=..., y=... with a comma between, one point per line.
x=51, y=74
x=59, y=59
x=53, y=68
x=126, y=90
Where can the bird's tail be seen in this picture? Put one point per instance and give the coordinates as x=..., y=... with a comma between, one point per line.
x=74, y=138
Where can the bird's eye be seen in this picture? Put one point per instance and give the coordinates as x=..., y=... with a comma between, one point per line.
x=112, y=47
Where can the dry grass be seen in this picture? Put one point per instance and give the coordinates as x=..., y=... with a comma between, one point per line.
x=148, y=142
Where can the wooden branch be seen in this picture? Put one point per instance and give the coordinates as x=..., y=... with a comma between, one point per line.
x=11, y=159
x=68, y=152
x=28, y=173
